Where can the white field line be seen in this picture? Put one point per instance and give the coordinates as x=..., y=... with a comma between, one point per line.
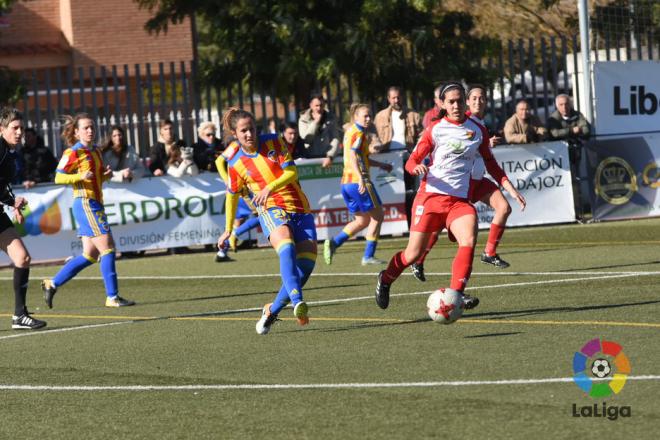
x=328, y=301
x=346, y=274
x=457, y=383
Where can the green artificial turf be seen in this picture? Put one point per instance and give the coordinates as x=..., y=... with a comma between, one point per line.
x=566, y=285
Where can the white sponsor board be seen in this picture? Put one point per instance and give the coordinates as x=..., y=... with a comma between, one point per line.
x=541, y=173
x=626, y=97
x=165, y=212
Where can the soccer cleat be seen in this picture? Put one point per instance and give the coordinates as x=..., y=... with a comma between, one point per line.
x=418, y=271
x=382, y=292
x=470, y=302
x=495, y=260
x=49, y=290
x=267, y=319
x=118, y=301
x=301, y=312
x=328, y=251
x=26, y=322
x=367, y=261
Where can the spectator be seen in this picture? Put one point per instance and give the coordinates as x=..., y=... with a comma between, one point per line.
x=523, y=127
x=38, y=161
x=121, y=157
x=565, y=123
x=180, y=161
x=159, y=153
x=433, y=113
x=319, y=131
x=398, y=128
x=208, y=147
x=272, y=126
x=293, y=142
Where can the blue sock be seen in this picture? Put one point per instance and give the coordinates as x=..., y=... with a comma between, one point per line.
x=304, y=266
x=288, y=270
x=340, y=238
x=370, y=247
x=250, y=223
x=109, y=273
x=71, y=269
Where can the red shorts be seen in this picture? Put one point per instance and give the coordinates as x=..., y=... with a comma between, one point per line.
x=481, y=188
x=434, y=212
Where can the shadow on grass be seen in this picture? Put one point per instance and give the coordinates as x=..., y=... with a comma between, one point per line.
x=613, y=266
x=490, y=335
x=362, y=326
x=530, y=312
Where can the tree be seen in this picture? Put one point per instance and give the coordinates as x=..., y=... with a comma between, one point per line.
x=11, y=88
x=291, y=44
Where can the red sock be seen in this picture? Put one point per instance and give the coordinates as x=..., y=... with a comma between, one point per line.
x=494, y=237
x=432, y=241
x=397, y=264
x=461, y=268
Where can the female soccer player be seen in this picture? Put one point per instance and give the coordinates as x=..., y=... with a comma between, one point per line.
x=452, y=144
x=359, y=193
x=11, y=131
x=481, y=189
x=484, y=190
x=264, y=165
x=82, y=167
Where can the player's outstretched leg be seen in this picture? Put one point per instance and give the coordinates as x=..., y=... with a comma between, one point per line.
x=502, y=211
x=68, y=271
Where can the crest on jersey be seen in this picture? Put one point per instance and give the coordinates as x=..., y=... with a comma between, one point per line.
x=456, y=145
x=272, y=155
x=470, y=134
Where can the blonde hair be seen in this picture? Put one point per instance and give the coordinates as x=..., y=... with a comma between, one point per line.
x=69, y=126
x=355, y=107
x=231, y=116
x=205, y=126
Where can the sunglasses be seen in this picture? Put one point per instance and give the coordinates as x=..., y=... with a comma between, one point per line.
x=209, y=134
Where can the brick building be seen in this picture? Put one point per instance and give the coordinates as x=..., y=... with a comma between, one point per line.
x=81, y=33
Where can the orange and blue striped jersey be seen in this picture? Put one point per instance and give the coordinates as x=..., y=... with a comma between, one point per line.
x=256, y=171
x=356, y=139
x=80, y=159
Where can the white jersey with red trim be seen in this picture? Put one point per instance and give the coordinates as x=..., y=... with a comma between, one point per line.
x=479, y=167
x=453, y=148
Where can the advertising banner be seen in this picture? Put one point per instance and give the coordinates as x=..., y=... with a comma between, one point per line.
x=626, y=95
x=624, y=177
x=542, y=174
x=165, y=212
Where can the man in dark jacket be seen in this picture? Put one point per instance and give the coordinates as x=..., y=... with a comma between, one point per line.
x=565, y=123
x=38, y=162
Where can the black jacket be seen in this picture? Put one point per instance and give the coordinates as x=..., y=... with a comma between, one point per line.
x=39, y=163
x=205, y=155
x=7, y=171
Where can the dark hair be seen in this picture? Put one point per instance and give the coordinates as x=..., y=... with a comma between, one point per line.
x=393, y=89
x=70, y=125
x=522, y=100
x=163, y=122
x=473, y=87
x=231, y=117
x=9, y=114
x=108, y=143
x=30, y=130
x=444, y=88
x=290, y=124
x=316, y=95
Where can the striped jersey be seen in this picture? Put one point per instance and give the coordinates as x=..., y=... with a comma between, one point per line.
x=257, y=170
x=479, y=168
x=453, y=147
x=356, y=139
x=80, y=159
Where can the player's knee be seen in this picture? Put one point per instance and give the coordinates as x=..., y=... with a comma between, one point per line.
x=23, y=260
x=469, y=240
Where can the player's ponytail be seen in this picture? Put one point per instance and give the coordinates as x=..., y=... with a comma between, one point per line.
x=229, y=119
x=69, y=125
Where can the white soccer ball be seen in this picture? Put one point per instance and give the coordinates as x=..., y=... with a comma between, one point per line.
x=445, y=306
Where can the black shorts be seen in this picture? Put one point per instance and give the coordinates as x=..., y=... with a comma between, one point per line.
x=5, y=222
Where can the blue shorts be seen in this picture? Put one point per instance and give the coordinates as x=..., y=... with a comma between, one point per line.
x=357, y=202
x=244, y=209
x=91, y=218
x=302, y=225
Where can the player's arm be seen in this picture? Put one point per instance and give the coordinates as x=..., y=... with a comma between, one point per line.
x=67, y=171
x=498, y=173
x=415, y=163
x=354, y=159
x=221, y=166
x=289, y=175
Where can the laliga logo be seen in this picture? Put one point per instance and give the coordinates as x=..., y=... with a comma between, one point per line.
x=600, y=369
x=43, y=220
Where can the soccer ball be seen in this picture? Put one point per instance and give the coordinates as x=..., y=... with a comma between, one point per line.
x=445, y=306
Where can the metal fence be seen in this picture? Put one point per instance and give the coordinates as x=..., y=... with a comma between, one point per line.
x=138, y=96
